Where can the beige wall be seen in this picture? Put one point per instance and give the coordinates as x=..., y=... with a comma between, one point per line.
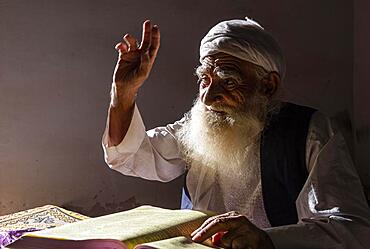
x=56, y=62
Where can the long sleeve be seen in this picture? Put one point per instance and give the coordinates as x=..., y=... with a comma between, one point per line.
x=332, y=208
x=152, y=155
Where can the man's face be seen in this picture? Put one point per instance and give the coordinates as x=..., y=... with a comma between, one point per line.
x=228, y=114
x=226, y=83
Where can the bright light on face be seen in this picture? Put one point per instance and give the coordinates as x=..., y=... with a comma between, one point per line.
x=226, y=81
x=212, y=139
x=230, y=79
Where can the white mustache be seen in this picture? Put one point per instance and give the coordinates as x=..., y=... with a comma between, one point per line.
x=220, y=109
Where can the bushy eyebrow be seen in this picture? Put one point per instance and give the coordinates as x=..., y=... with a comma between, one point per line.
x=225, y=73
x=202, y=70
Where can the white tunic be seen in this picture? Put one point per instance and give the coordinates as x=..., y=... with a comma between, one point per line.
x=332, y=209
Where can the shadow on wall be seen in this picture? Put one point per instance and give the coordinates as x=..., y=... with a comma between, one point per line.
x=363, y=140
x=99, y=208
x=363, y=134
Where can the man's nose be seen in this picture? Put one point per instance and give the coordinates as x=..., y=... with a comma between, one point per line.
x=213, y=94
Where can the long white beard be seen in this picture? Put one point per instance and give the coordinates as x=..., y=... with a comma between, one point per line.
x=220, y=141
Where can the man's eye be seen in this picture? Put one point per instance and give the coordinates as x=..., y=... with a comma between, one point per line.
x=230, y=83
x=204, y=81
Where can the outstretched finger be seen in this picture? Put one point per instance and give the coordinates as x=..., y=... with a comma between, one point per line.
x=155, y=41
x=131, y=42
x=146, y=37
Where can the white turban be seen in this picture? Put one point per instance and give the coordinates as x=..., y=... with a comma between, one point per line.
x=246, y=40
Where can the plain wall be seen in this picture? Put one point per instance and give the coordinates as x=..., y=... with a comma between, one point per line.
x=56, y=64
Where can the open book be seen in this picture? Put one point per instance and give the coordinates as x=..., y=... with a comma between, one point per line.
x=142, y=227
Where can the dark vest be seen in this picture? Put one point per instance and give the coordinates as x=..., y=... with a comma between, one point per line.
x=283, y=163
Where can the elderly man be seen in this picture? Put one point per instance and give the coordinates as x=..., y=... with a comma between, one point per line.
x=280, y=173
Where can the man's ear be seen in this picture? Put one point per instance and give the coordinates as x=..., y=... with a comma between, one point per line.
x=270, y=84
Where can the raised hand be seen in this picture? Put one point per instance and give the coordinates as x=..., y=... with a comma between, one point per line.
x=237, y=232
x=136, y=60
x=133, y=67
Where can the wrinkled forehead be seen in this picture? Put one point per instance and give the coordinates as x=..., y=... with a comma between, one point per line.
x=227, y=62
x=222, y=60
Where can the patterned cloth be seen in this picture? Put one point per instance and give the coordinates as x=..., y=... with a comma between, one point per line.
x=6, y=238
x=14, y=226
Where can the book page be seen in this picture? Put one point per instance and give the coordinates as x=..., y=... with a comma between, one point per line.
x=173, y=230
x=136, y=226
x=173, y=243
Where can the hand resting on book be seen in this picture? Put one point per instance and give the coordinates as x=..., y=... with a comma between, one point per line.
x=236, y=232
